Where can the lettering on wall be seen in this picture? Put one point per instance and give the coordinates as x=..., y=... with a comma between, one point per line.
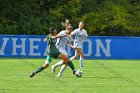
x=35, y=47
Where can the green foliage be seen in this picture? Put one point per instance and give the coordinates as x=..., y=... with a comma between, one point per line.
x=102, y=17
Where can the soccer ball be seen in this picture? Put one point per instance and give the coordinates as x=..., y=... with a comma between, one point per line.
x=79, y=73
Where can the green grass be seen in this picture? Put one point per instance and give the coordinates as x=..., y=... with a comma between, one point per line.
x=100, y=76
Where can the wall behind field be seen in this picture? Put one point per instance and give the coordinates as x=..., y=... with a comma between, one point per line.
x=95, y=47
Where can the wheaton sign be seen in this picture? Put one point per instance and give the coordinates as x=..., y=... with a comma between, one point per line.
x=95, y=47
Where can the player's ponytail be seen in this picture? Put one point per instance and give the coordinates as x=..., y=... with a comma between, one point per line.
x=65, y=24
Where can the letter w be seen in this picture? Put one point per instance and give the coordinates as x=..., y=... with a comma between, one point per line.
x=3, y=46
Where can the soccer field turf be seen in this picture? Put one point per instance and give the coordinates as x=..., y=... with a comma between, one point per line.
x=100, y=76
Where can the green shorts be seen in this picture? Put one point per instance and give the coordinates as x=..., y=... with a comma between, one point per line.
x=50, y=56
x=54, y=55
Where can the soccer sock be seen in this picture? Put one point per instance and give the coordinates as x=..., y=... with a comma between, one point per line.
x=81, y=61
x=58, y=64
x=72, y=58
x=39, y=70
x=62, y=69
x=71, y=66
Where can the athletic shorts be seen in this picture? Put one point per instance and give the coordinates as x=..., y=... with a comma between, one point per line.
x=50, y=56
x=63, y=51
x=77, y=45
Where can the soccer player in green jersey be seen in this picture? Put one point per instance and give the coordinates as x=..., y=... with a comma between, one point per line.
x=53, y=52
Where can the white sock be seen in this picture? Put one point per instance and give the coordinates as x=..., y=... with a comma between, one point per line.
x=72, y=58
x=62, y=69
x=58, y=64
x=81, y=61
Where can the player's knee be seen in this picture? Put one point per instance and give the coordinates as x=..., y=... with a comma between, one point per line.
x=76, y=57
x=64, y=62
x=45, y=65
x=67, y=60
x=82, y=55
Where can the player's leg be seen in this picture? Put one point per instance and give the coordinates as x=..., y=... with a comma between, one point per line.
x=67, y=61
x=46, y=64
x=75, y=56
x=60, y=62
x=79, y=51
x=76, y=52
x=53, y=67
x=81, y=57
x=63, y=67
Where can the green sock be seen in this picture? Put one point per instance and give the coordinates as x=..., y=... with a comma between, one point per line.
x=39, y=70
x=71, y=66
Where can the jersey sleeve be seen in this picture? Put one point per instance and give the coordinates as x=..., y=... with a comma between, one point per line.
x=86, y=33
x=74, y=32
x=48, y=37
x=61, y=34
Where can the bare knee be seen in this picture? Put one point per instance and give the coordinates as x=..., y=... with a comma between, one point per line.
x=76, y=57
x=45, y=65
x=67, y=60
x=82, y=55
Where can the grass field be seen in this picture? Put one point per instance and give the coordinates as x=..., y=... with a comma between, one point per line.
x=100, y=76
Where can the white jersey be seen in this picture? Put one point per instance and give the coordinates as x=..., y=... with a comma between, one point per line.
x=79, y=37
x=61, y=42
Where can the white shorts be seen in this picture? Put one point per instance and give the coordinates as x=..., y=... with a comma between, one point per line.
x=63, y=51
x=77, y=45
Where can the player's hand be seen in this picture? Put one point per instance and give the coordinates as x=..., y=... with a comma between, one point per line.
x=45, y=39
x=73, y=47
x=85, y=38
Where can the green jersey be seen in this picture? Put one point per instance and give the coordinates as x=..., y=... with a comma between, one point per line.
x=52, y=45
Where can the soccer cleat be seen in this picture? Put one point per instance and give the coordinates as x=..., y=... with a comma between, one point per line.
x=32, y=74
x=74, y=72
x=53, y=69
x=59, y=75
x=81, y=66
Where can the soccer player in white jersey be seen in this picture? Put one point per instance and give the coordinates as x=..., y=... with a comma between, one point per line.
x=61, y=42
x=80, y=35
x=61, y=45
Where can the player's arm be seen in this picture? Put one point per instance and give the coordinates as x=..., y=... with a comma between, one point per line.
x=71, y=37
x=47, y=37
x=59, y=35
x=85, y=37
x=72, y=34
x=69, y=44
